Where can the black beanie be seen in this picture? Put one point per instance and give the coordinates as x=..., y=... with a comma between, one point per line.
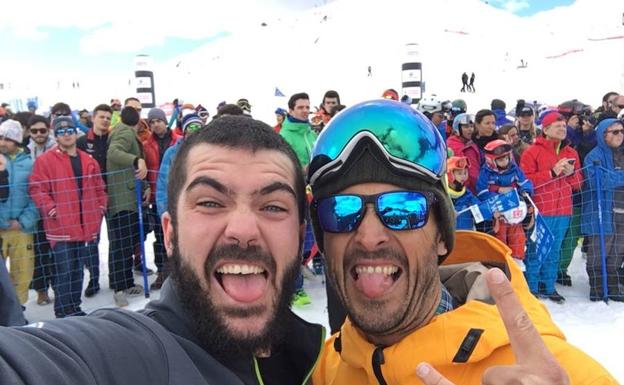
x=498, y=104
x=130, y=116
x=368, y=165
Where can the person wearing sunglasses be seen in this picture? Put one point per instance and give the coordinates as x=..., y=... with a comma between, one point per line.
x=18, y=214
x=190, y=124
x=385, y=223
x=609, y=155
x=525, y=122
x=617, y=105
x=67, y=187
x=41, y=139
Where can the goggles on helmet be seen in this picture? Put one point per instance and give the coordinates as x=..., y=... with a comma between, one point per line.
x=407, y=139
x=500, y=150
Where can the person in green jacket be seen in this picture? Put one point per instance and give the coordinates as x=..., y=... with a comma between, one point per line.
x=298, y=133
x=296, y=129
x=125, y=160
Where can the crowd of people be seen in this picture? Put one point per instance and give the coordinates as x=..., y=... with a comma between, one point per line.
x=414, y=300
x=68, y=172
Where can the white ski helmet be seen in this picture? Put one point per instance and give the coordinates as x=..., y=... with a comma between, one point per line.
x=429, y=104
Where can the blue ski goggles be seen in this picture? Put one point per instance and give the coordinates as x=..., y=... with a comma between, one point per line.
x=409, y=141
x=397, y=210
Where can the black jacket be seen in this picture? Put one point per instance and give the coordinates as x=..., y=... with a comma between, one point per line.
x=113, y=346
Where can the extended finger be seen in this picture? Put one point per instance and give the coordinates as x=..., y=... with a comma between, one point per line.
x=430, y=376
x=526, y=342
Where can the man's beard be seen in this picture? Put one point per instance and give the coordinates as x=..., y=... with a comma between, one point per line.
x=210, y=326
x=415, y=307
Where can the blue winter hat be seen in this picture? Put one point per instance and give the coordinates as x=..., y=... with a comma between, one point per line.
x=281, y=111
x=191, y=118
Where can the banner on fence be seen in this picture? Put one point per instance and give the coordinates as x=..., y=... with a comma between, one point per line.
x=542, y=237
x=499, y=202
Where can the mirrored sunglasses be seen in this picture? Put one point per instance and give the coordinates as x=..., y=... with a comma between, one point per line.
x=397, y=210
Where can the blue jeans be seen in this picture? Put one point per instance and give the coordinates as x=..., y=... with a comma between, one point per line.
x=69, y=259
x=544, y=272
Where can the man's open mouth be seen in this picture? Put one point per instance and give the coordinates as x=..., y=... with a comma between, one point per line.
x=243, y=282
x=375, y=280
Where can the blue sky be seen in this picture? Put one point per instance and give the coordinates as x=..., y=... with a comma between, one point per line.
x=63, y=36
x=61, y=48
x=527, y=7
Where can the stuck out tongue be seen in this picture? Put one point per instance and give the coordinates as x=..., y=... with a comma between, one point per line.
x=373, y=285
x=244, y=287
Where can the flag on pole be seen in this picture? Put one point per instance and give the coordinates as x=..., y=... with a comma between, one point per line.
x=278, y=92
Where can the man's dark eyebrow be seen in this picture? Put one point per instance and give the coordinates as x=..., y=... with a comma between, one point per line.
x=210, y=182
x=276, y=186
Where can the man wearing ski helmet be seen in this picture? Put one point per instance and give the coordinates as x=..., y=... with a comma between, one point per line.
x=384, y=221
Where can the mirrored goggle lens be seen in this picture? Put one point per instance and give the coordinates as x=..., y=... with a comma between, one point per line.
x=63, y=131
x=401, y=210
x=404, y=134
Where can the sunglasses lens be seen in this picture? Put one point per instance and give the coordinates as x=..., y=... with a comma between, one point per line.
x=340, y=213
x=403, y=210
x=65, y=131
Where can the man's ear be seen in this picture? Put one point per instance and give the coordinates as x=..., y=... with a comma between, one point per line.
x=168, y=232
x=441, y=245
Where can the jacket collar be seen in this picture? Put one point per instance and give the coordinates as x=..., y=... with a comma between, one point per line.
x=551, y=144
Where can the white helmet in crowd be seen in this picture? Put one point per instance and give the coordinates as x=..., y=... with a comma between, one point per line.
x=429, y=104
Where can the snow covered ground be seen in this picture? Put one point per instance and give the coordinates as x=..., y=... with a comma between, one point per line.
x=596, y=328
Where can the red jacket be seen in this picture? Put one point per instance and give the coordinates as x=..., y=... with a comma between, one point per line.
x=470, y=151
x=153, y=158
x=53, y=187
x=553, y=195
